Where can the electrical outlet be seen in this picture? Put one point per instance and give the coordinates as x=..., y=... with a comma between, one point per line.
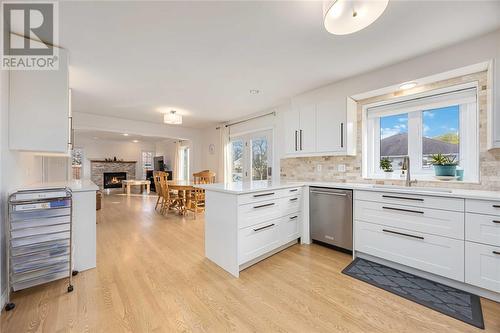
x=341, y=168
x=319, y=167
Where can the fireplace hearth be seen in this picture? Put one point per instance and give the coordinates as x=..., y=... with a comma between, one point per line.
x=113, y=179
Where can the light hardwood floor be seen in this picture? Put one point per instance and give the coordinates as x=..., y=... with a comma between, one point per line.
x=152, y=276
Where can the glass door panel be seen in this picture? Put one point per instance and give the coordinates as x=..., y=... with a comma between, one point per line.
x=251, y=156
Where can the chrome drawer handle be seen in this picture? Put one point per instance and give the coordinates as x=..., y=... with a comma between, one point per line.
x=402, y=234
x=262, y=206
x=263, y=195
x=294, y=199
x=262, y=228
x=404, y=210
x=293, y=217
x=402, y=198
x=496, y=252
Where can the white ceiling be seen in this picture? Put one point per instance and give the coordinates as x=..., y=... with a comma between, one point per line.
x=135, y=59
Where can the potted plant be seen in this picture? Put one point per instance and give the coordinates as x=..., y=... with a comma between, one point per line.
x=444, y=165
x=386, y=166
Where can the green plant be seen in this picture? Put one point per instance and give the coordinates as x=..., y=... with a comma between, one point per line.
x=386, y=164
x=440, y=159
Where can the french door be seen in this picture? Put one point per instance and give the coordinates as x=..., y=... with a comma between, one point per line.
x=251, y=156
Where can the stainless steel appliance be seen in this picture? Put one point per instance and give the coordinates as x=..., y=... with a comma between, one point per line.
x=330, y=214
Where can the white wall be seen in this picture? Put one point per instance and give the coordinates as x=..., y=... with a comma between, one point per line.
x=16, y=169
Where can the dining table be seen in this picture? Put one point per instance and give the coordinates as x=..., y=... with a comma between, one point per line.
x=183, y=187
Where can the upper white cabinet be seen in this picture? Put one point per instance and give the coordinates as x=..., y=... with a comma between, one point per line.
x=39, y=109
x=321, y=126
x=494, y=103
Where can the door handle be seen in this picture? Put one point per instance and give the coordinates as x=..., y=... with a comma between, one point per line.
x=330, y=193
x=404, y=210
x=262, y=206
x=341, y=135
x=402, y=234
x=265, y=227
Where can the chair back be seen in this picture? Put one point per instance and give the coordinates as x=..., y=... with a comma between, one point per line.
x=162, y=175
x=156, y=180
x=204, y=177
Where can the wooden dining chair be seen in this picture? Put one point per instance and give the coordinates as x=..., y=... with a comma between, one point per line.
x=170, y=199
x=196, y=201
x=204, y=177
x=156, y=179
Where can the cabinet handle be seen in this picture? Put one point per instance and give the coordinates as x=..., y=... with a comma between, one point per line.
x=496, y=252
x=402, y=234
x=341, y=135
x=300, y=139
x=262, y=206
x=294, y=190
x=294, y=199
x=402, y=198
x=263, y=195
x=295, y=140
x=496, y=206
x=495, y=221
x=262, y=228
x=293, y=217
x=404, y=210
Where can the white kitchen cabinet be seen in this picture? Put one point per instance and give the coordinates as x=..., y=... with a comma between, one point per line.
x=39, y=109
x=292, y=126
x=482, y=266
x=330, y=129
x=300, y=129
x=493, y=97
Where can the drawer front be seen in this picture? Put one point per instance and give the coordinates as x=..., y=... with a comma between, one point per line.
x=287, y=192
x=439, y=255
x=258, y=197
x=482, y=229
x=482, y=207
x=290, y=228
x=482, y=266
x=258, y=212
x=431, y=221
x=257, y=240
x=290, y=205
x=414, y=200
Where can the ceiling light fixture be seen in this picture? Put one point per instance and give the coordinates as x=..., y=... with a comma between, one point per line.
x=254, y=91
x=343, y=17
x=125, y=134
x=172, y=118
x=408, y=85
x=135, y=141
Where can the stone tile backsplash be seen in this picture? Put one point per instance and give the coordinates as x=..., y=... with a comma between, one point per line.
x=306, y=168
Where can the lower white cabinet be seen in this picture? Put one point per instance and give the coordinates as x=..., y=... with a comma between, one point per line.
x=257, y=240
x=290, y=228
x=482, y=264
x=439, y=255
x=482, y=229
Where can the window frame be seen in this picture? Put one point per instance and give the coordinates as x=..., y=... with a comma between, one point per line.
x=143, y=167
x=468, y=132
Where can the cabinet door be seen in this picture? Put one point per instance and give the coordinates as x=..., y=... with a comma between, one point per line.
x=291, y=131
x=39, y=109
x=482, y=266
x=307, y=130
x=330, y=126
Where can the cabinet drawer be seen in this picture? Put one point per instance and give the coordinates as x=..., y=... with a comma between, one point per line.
x=431, y=221
x=257, y=197
x=258, y=212
x=290, y=205
x=294, y=191
x=482, y=266
x=439, y=255
x=290, y=228
x=257, y=240
x=482, y=207
x=415, y=200
x=482, y=229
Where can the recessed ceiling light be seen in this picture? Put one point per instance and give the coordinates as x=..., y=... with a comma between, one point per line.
x=125, y=134
x=342, y=17
x=254, y=91
x=135, y=141
x=408, y=85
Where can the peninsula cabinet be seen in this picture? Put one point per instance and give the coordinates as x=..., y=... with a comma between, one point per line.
x=39, y=109
x=325, y=126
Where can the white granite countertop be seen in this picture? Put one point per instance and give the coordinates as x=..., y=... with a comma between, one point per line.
x=82, y=185
x=259, y=186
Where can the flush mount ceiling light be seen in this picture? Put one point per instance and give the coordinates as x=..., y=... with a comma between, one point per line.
x=254, y=91
x=342, y=17
x=408, y=85
x=135, y=141
x=172, y=118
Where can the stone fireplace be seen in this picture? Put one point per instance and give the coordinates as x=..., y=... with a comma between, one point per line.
x=109, y=174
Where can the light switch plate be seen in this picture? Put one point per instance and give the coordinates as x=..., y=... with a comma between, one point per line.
x=319, y=167
x=341, y=168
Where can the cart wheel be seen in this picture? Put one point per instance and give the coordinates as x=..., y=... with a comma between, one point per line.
x=74, y=273
x=70, y=288
x=9, y=306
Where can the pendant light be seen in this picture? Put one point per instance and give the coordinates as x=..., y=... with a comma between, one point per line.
x=343, y=17
x=172, y=118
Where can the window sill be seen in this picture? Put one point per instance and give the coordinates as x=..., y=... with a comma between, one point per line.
x=423, y=178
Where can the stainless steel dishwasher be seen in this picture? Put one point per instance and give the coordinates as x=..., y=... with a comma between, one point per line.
x=330, y=214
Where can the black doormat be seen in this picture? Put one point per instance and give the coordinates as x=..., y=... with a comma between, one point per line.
x=455, y=303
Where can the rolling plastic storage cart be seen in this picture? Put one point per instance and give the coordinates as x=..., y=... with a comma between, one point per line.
x=39, y=231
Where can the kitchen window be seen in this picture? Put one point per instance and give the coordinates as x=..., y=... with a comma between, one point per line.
x=443, y=121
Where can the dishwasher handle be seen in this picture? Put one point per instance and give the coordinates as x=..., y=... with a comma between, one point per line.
x=329, y=193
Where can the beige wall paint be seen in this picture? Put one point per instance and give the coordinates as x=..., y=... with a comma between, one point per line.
x=305, y=168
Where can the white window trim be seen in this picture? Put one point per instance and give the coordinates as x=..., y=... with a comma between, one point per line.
x=370, y=128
